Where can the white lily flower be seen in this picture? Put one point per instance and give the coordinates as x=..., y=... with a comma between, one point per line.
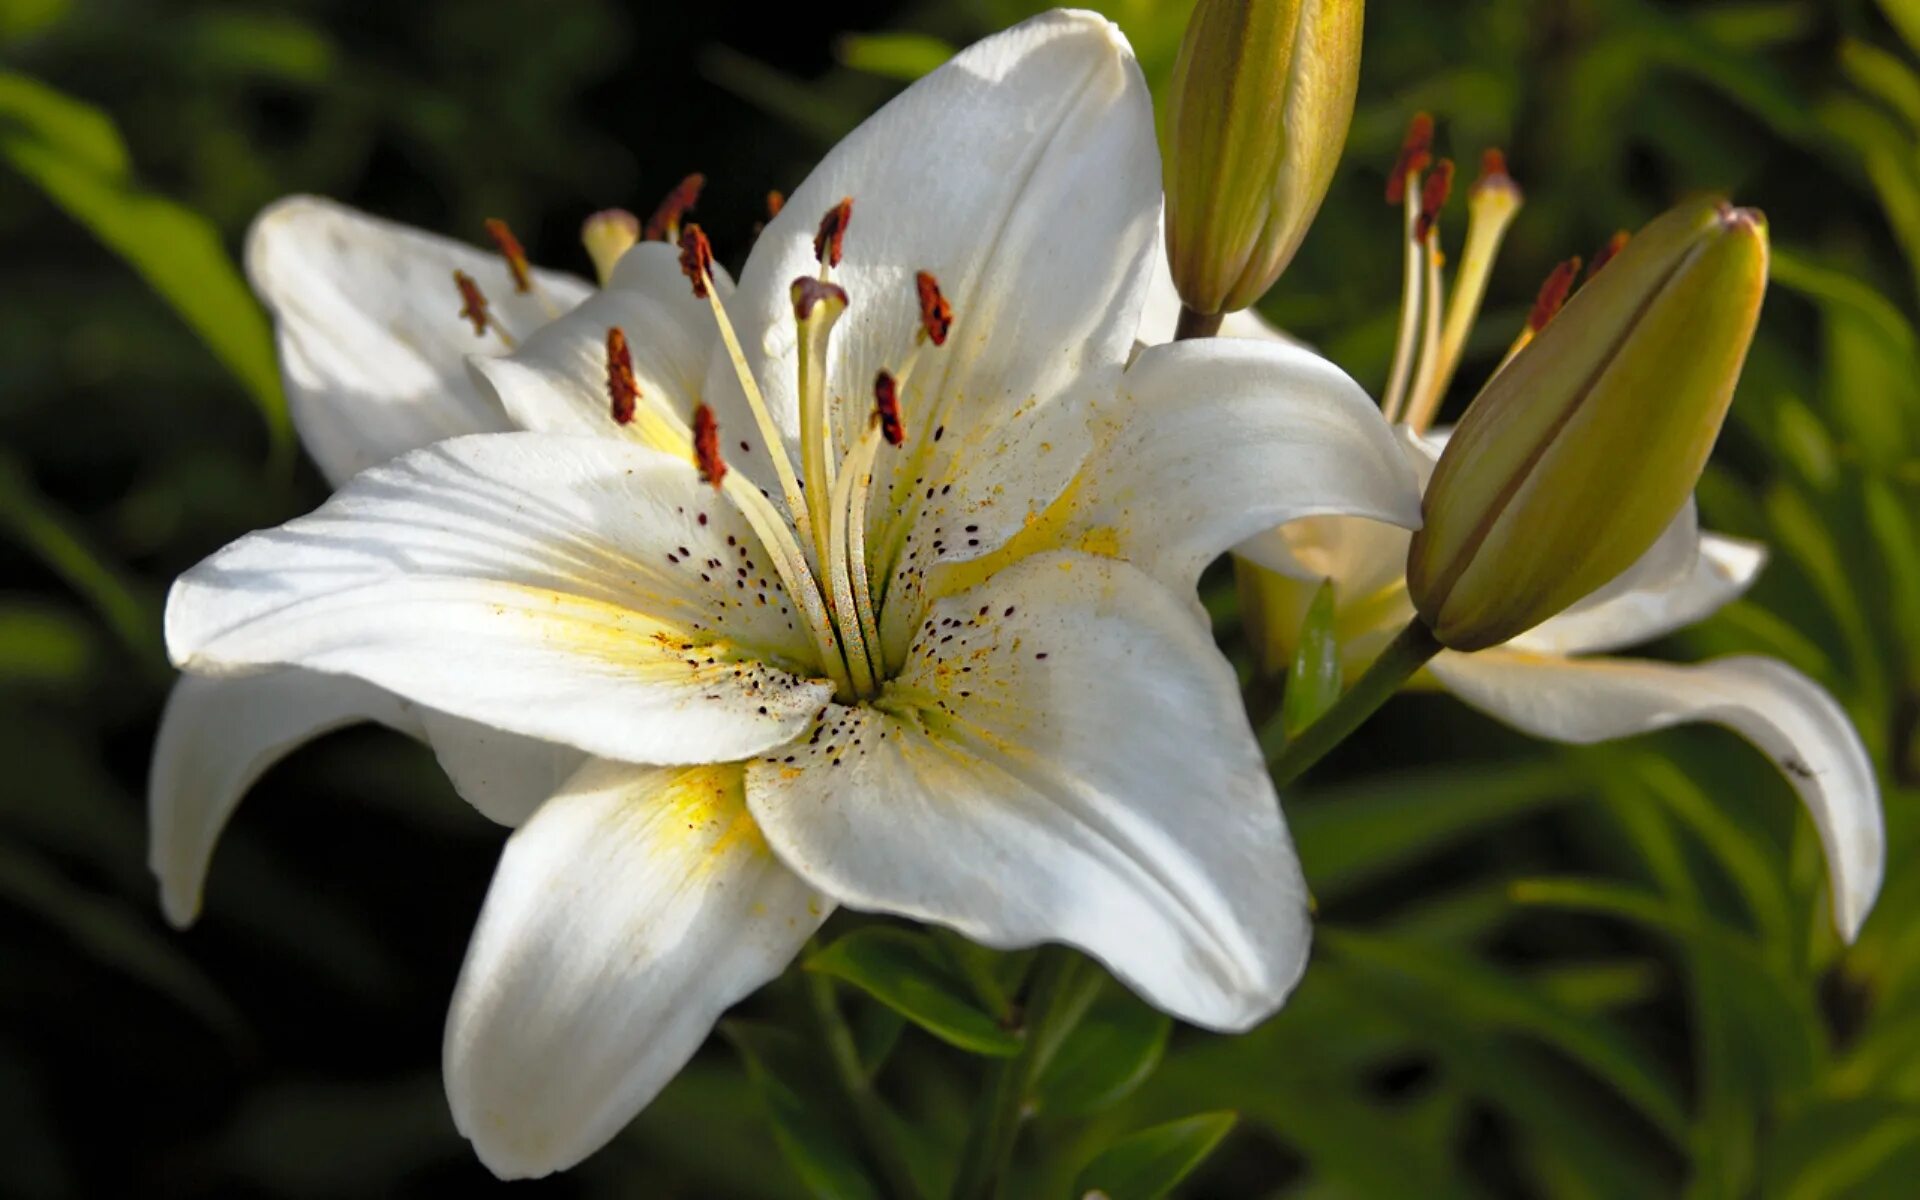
x=941, y=659
x=1555, y=682
x=374, y=361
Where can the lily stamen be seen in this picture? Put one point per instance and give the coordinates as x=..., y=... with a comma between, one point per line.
x=474, y=308
x=1403, y=188
x=664, y=224
x=1492, y=203
x=1434, y=192
x=1553, y=294
x=518, y=266
x=696, y=259
x=816, y=307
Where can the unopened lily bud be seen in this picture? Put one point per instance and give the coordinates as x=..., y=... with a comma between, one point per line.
x=607, y=235
x=1262, y=93
x=1583, y=448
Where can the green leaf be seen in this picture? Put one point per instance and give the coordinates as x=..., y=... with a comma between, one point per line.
x=1782, y=1029
x=1113, y=1050
x=907, y=973
x=902, y=56
x=809, y=1136
x=1904, y=16
x=1884, y=76
x=1151, y=1163
x=1313, y=682
x=72, y=153
x=1354, y=833
x=1858, y=1146
x=1491, y=998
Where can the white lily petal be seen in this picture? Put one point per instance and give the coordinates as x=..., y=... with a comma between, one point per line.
x=556, y=382
x=575, y=590
x=503, y=775
x=1213, y=441
x=1023, y=174
x=625, y=917
x=1063, y=758
x=1160, y=312
x=1788, y=716
x=1722, y=568
x=372, y=347
x=217, y=736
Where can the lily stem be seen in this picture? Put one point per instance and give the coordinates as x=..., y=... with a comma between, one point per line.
x=1197, y=325
x=1399, y=662
x=1054, y=1005
x=869, y=1110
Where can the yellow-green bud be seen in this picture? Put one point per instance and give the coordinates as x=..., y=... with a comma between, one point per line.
x=1582, y=449
x=1262, y=94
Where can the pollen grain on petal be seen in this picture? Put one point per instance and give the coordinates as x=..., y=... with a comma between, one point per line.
x=664, y=224
x=886, y=407
x=1416, y=151
x=473, y=302
x=1604, y=254
x=696, y=259
x=1553, y=294
x=1433, y=197
x=831, y=239
x=623, y=389
x=810, y=291
x=936, y=314
x=511, y=250
x=706, y=446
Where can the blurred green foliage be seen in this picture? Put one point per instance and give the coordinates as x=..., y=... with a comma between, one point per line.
x=1540, y=971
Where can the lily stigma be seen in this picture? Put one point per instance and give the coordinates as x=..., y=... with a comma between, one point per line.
x=867, y=581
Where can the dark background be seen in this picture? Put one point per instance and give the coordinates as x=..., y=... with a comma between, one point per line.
x=1454, y=1037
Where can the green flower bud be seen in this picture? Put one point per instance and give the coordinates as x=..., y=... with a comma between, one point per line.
x=1582, y=449
x=1262, y=94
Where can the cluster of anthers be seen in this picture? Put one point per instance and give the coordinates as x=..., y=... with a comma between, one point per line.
x=818, y=545
x=1434, y=325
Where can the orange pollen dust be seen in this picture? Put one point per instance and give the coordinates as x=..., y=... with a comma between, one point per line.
x=810, y=291
x=832, y=237
x=886, y=406
x=665, y=221
x=1433, y=198
x=473, y=302
x=706, y=446
x=936, y=315
x=1604, y=254
x=623, y=389
x=1416, y=151
x=1553, y=294
x=512, y=251
x=696, y=259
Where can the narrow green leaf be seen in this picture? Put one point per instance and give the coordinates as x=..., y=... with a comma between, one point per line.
x=1313, y=681
x=1354, y=833
x=1113, y=1050
x=1884, y=76
x=1495, y=999
x=902, y=56
x=73, y=155
x=907, y=973
x=1845, y=1147
x=1904, y=15
x=806, y=1130
x=1150, y=1163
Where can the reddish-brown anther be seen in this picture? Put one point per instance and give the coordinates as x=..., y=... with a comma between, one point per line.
x=1604, y=254
x=696, y=259
x=513, y=252
x=473, y=302
x=886, y=406
x=936, y=315
x=1433, y=198
x=623, y=390
x=828, y=243
x=1416, y=151
x=706, y=446
x=664, y=224
x=775, y=202
x=1553, y=294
